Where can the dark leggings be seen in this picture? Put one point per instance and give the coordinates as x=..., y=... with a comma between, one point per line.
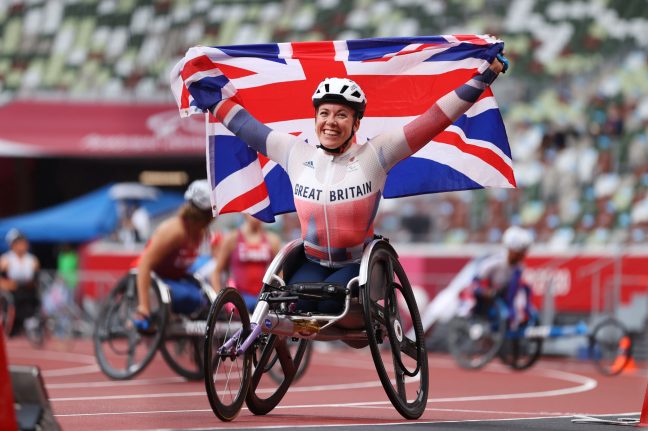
x=27, y=303
x=311, y=272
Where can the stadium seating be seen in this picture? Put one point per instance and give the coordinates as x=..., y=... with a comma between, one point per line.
x=575, y=101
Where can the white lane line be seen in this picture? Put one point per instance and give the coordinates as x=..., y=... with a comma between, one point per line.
x=150, y=412
x=118, y=383
x=372, y=424
x=583, y=384
x=86, y=369
x=52, y=355
x=318, y=388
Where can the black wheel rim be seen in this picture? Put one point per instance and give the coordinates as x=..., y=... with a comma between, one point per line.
x=521, y=353
x=227, y=375
x=121, y=351
x=184, y=355
x=274, y=387
x=610, y=347
x=473, y=341
x=299, y=348
x=384, y=310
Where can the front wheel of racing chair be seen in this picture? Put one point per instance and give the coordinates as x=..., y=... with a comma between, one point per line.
x=521, y=352
x=399, y=355
x=610, y=346
x=227, y=372
x=474, y=340
x=278, y=361
x=121, y=350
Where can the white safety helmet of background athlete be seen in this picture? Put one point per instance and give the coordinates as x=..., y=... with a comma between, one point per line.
x=517, y=239
x=340, y=90
x=199, y=194
x=12, y=235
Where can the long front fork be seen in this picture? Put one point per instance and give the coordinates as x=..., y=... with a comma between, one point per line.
x=260, y=313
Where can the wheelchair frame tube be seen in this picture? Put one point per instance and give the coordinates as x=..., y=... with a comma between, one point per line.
x=281, y=324
x=165, y=292
x=277, y=262
x=551, y=331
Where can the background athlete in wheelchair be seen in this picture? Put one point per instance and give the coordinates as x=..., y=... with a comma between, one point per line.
x=496, y=317
x=160, y=304
x=337, y=282
x=497, y=304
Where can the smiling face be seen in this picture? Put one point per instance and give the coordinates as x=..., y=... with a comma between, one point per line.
x=334, y=124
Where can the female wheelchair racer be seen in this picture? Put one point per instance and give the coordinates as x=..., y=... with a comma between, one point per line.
x=337, y=187
x=239, y=349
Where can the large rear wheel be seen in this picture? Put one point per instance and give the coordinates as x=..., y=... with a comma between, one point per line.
x=400, y=358
x=122, y=352
x=184, y=355
x=295, y=345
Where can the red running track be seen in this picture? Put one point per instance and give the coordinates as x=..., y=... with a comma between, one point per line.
x=341, y=387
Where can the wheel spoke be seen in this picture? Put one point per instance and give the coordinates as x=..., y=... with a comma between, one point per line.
x=408, y=346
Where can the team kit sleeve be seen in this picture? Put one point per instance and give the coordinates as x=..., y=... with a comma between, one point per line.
x=398, y=144
x=271, y=143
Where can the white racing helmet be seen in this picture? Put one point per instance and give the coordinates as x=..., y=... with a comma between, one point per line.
x=13, y=235
x=517, y=239
x=340, y=90
x=199, y=194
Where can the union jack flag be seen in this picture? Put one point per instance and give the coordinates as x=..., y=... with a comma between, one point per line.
x=401, y=77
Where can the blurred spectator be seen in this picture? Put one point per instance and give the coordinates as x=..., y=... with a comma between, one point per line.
x=141, y=221
x=67, y=266
x=243, y=258
x=19, y=276
x=134, y=223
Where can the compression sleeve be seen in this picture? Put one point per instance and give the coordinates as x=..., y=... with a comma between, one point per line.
x=272, y=144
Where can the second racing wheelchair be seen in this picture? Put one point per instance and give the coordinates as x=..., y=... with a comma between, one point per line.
x=379, y=311
x=123, y=352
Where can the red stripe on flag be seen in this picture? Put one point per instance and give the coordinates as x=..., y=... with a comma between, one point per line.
x=488, y=156
x=263, y=160
x=233, y=72
x=184, y=98
x=470, y=38
x=246, y=200
x=389, y=56
x=201, y=63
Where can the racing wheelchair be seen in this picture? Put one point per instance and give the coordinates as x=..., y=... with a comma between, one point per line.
x=379, y=310
x=122, y=351
x=475, y=339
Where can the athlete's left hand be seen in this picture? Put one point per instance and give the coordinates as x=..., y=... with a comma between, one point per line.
x=500, y=63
